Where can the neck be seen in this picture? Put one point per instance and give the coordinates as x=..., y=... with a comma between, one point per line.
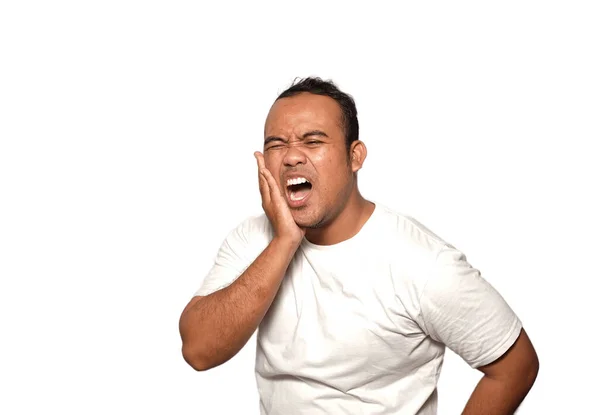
x=345, y=224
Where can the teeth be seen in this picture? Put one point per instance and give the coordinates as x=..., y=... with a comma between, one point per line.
x=298, y=180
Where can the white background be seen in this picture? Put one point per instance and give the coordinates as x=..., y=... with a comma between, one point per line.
x=127, y=130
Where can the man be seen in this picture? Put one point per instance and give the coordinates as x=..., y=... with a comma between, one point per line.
x=354, y=303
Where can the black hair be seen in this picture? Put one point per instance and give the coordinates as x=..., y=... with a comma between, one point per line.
x=317, y=86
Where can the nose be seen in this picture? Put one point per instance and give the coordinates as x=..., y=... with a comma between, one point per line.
x=293, y=157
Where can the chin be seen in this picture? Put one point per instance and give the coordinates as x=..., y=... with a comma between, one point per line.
x=306, y=220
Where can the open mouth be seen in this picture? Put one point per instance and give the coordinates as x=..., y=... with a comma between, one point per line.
x=298, y=189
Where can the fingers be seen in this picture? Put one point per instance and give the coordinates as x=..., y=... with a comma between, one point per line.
x=263, y=184
x=271, y=184
x=260, y=160
x=274, y=189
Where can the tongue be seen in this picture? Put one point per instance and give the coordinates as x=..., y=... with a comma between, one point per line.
x=299, y=194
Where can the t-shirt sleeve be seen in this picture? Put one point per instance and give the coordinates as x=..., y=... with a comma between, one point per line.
x=239, y=249
x=462, y=310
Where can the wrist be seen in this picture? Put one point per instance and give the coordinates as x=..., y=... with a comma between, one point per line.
x=288, y=242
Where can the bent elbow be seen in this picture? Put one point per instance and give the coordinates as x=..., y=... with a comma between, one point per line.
x=533, y=370
x=194, y=359
x=199, y=361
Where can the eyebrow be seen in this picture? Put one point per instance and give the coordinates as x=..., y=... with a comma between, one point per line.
x=271, y=139
x=312, y=133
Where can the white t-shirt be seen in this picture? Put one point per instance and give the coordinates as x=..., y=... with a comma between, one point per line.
x=360, y=327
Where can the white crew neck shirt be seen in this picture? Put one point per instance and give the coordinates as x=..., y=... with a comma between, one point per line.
x=360, y=327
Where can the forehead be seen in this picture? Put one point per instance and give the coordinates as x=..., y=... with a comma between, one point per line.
x=303, y=111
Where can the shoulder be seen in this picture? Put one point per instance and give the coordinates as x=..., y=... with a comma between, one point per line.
x=411, y=250
x=405, y=234
x=254, y=230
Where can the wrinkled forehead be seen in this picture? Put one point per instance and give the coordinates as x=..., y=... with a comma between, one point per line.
x=296, y=114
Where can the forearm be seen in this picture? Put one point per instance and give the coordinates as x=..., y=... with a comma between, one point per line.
x=497, y=396
x=214, y=328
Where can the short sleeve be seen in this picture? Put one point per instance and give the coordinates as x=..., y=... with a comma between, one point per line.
x=239, y=249
x=462, y=310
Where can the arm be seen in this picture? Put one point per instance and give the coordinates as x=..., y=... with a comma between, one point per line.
x=462, y=310
x=215, y=327
x=506, y=381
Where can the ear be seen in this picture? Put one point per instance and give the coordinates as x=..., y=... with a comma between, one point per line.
x=358, y=154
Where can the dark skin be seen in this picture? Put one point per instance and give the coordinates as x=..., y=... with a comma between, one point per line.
x=215, y=327
x=304, y=136
x=506, y=381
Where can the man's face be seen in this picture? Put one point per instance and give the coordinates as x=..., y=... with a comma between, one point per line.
x=304, y=140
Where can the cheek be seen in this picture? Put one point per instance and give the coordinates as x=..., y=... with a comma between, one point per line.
x=273, y=164
x=271, y=161
x=334, y=175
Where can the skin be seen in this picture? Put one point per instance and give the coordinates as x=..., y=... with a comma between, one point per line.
x=215, y=327
x=304, y=136
x=506, y=381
